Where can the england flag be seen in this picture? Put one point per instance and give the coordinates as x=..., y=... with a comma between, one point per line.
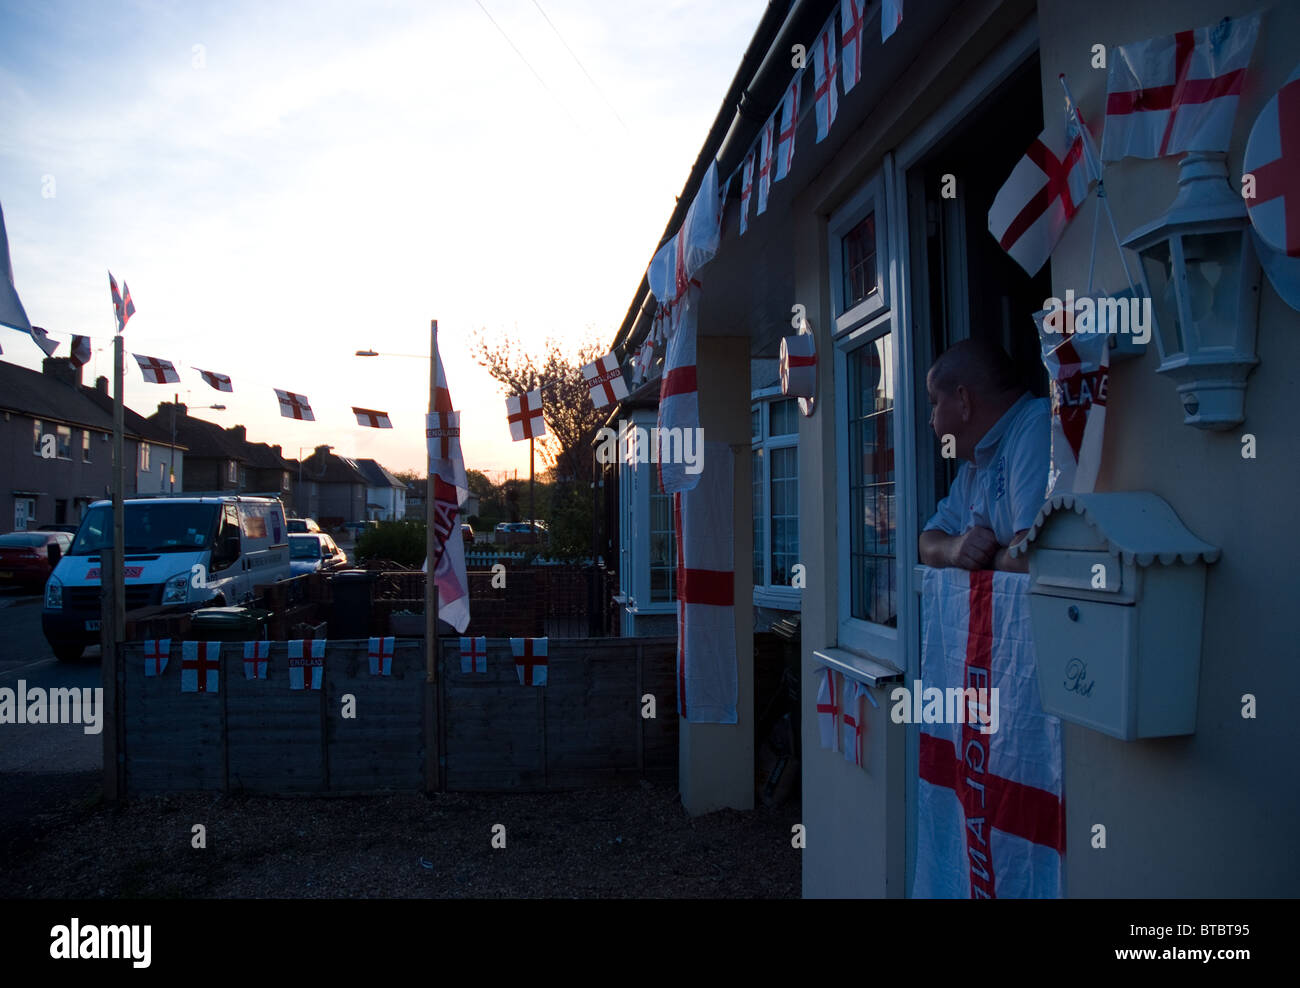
x=790, y=123
x=530, y=660
x=371, y=418
x=826, y=100
x=852, y=13
x=525, y=416
x=450, y=491
x=219, y=382
x=473, y=654
x=306, y=664
x=294, y=406
x=155, y=370
x=605, y=379
x=257, y=657
x=80, y=352
x=765, y=146
x=380, y=656
x=200, y=667
x=828, y=708
x=12, y=313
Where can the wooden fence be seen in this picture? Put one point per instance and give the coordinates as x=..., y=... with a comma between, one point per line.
x=464, y=732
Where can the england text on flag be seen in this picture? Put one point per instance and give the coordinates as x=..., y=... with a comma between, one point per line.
x=12, y=313
x=306, y=664
x=789, y=124
x=826, y=100
x=851, y=19
x=524, y=413
x=123, y=307
x=219, y=381
x=294, y=406
x=765, y=143
x=156, y=370
x=605, y=380
x=371, y=418
x=1037, y=202
x=1178, y=92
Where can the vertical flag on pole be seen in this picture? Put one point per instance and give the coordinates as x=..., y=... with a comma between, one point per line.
x=123, y=307
x=450, y=489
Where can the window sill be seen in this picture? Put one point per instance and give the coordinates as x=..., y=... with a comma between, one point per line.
x=864, y=669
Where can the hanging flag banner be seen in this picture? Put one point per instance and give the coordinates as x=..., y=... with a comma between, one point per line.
x=200, y=667
x=380, y=656
x=854, y=722
x=524, y=413
x=1178, y=92
x=42, y=340
x=891, y=17
x=157, y=652
x=473, y=654
x=371, y=418
x=605, y=379
x=828, y=709
x=1038, y=200
x=826, y=100
x=293, y=406
x=785, y=137
x=746, y=188
x=12, y=313
x=442, y=438
x=214, y=380
x=306, y=666
x=80, y=352
x=851, y=16
x=257, y=656
x=1078, y=372
x=155, y=370
x=530, y=660
x=123, y=307
x=765, y=164
x=990, y=819
x=707, y=678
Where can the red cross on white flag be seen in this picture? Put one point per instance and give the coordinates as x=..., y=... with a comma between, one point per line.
x=257, y=655
x=765, y=148
x=530, y=660
x=524, y=413
x=380, y=656
x=1038, y=200
x=473, y=654
x=123, y=307
x=293, y=406
x=826, y=100
x=371, y=418
x=306, y=671
x=1273, y=158
x=790, y=122
x=891, y=17
x=214, y=380
x=80, y=352
x=156, y=653
x=851, y=14
x=1178, y=92
x=156, y=370
x=200, y=667
x=746, y=190
x=828, y=709
x=854, y=722
x=605, y=379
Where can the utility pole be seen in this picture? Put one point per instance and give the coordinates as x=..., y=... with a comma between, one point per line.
x=171, y=460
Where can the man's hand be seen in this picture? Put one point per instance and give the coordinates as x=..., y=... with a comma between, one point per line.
x=974, y=549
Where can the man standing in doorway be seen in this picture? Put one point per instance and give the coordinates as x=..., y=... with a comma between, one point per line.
x=1002, y=435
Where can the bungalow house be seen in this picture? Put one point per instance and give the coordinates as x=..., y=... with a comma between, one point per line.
x=385, y=494
x=878, y=236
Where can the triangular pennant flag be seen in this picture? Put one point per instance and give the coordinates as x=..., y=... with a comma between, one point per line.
x=123, y=307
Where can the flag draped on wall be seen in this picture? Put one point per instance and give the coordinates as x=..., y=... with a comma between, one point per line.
x=707, y=678
x=450, y=489
x=156, y=370
x=1178, y=92
x=257, y=656
x=380, y=656
x=157, y=652
x=990, y=819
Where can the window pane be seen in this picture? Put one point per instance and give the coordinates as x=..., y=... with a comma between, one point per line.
x=85, y=445
x=873, y=564
x=859, y=262
x=36, y=437
x=663, y=548
x=757, y=505
x=783, y=421
x=65, y=442
x=785, y=513
x=755, y=424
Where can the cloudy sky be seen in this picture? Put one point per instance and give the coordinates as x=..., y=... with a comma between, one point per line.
x=282, y=184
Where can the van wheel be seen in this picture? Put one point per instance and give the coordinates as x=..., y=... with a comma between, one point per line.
x=68, y=653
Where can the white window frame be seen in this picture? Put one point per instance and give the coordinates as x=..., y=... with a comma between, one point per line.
x=871, y=197
x=144, y=457
x=232, y=472
x=767, y=594
x=85, y=446
x=636, y=483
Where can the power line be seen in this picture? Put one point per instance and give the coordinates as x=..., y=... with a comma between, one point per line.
x=594, y=85
x=527, y=63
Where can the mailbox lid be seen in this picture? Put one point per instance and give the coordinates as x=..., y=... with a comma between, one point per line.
x=1082, y=574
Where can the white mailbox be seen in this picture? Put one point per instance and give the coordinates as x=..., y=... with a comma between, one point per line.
x=1117, y=596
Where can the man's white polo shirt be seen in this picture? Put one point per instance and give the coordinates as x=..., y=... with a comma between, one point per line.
x=1003, y=489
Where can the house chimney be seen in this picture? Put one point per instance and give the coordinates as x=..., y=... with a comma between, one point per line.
x=322, y=451
x=101, y=384
x=62, y=370
x=239, y=432
x=276, y=450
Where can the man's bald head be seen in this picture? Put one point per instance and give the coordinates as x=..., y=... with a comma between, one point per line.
x=981, y=366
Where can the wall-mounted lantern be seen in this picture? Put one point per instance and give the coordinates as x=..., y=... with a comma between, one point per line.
x=1202, y=275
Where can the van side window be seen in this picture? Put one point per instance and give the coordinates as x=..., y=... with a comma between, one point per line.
x=230, y=524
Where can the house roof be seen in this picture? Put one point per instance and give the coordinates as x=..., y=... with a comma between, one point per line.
x=42, y=396
x=264, y=456
x=326, y=468
x=377, y=476
x=131, y=420
x=203, y=439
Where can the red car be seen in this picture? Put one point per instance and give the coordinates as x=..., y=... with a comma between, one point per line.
x=24, y=559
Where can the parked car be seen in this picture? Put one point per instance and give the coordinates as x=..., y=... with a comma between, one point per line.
x=520, y=533
x=312, y=553
x=467, y=533
x=301, y=526
x=25, y=560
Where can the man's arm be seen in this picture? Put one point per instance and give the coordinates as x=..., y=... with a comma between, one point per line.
x=975, y=548
x=1003, y=561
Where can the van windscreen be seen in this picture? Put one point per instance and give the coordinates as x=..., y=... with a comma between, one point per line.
x=150, y=526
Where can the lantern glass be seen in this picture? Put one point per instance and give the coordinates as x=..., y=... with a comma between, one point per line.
x=1158, y=267
x=1213, y=262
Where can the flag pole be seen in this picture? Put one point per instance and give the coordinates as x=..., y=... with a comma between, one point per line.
x=431, y=535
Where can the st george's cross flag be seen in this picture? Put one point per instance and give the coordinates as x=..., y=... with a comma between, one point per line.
x=852, y=13
x=604, y=378
x=294, y=406
x=829, y=690
x=155, y=370
x=766, y=145
x=673, y=281
x=123, y=307
x=380, y=656
x=42, y=339
x=306, y=664
x=853, y=722
x=990, y=817
x=524, y=413
x=371, y=418
x=12, y=313
x=80, y=351
x=708, y=683
x=1178, y=92
x=530, y=660
x=789, y=124
x=200, y=667
x=826, y=100
x=891, y=18
x=219, y=382
x=746, y=190
x=473, y=654
x=157, y=651
x=1273, y=158
x=1038, y=200
x=450, y=491
x=257, y=656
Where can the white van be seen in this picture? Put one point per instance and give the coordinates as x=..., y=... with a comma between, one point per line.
x=183, y=551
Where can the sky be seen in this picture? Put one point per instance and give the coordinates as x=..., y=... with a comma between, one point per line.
x=282, y=184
